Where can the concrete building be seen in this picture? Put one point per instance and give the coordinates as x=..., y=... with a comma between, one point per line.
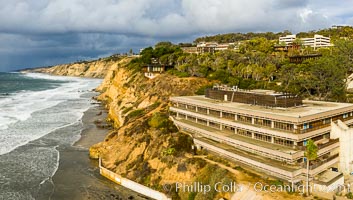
x=211, y=47
x=288, y=39
x=206, y=47
x=222, y=47
x=268, y=131
x=318, y=41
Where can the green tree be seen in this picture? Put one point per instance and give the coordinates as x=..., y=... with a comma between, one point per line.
x=269, y=71
x=327, y=78
x=310, y=154
x=163, y=44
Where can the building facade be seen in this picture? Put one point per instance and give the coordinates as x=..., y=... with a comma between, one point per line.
x=288, y=39
x=206, y=47
x=211, y=47
x=318, y=41
x=270, y=139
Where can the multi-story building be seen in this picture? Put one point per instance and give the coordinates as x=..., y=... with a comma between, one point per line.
x=268, y=131
x=288, y=39
x=317, y=41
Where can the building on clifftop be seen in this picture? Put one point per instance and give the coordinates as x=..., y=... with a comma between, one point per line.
x=268, y=131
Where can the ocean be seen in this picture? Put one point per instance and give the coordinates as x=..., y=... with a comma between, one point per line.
x=38, y=114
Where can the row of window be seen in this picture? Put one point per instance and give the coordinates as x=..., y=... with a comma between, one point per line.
x=241, y=118
x=265, y=122
x=241, y=132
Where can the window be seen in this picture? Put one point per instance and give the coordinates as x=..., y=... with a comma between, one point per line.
x=215, y=113
x=283, y=142
x=228, y=128
x=193, y=108
x=263, y=122
x=305, y=126
x=202, y=110
x=228, y=115
x=244, y=133
x=326, y=121
x=244, y=119
x=345, y=115
x=182, y=106
x=214, y=125
x=201, y=121
x=262, y=137
x=190, y=118
x=285, y=126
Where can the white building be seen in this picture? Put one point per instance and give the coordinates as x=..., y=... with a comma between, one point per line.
x=288, y=39
x=317, y=41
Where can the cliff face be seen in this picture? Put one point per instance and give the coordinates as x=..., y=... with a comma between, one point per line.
x=139, y=149
x=93, y=69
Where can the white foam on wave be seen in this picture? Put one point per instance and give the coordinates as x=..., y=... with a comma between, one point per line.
x=20, y=107
x=50, y=77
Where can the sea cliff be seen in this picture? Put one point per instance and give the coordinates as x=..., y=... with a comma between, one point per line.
x=90, y=69
x=143, y=144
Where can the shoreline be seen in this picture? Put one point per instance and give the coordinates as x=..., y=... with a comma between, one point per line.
x=77, y=176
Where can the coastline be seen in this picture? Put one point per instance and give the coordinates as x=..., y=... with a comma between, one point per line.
x=78, y=176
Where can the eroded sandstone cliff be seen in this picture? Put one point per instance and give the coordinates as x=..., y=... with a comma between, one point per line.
x=137, y=149
x=92, y=69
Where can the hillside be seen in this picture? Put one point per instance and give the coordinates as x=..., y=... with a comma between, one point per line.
x=334, y=33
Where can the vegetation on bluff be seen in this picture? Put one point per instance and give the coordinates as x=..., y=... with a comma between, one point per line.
x=256, y=65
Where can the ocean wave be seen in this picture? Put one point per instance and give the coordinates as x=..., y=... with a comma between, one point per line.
x=19, y=107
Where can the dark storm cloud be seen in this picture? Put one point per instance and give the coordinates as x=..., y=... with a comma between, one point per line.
x=44, y=32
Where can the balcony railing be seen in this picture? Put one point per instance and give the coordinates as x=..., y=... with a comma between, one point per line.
x=318, y=163
x=332, y=141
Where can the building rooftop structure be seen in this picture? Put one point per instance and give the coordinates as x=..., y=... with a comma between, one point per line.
x=254, y=97
x=302, y=58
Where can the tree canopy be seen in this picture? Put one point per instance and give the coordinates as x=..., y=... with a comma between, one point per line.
x=311, y=150
x=257, y=66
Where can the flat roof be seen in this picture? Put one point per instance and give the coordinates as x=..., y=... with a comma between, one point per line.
x=310, y=110
x=327, y=177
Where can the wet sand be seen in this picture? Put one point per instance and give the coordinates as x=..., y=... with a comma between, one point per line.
x=78, y=176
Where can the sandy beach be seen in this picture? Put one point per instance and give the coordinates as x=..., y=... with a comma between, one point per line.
x=78, y=176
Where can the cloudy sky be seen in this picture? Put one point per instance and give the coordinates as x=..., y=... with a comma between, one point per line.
x=47, y=32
